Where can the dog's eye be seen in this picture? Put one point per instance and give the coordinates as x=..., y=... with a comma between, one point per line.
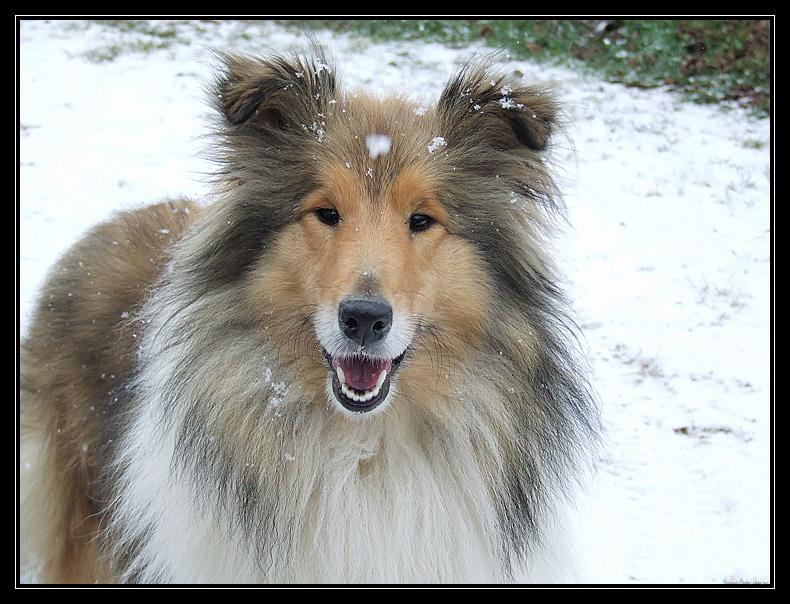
x=419, y=223
x=328, y=216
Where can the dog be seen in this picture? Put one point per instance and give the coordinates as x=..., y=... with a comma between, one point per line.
x=355, y=365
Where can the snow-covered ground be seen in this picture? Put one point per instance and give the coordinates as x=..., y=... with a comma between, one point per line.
x=669, y=256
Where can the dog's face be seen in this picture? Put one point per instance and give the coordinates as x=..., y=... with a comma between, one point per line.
x=385, y=293
x=372, y=258
x=380, y=260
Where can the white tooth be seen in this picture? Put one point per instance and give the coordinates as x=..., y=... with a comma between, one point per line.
x=355, y=395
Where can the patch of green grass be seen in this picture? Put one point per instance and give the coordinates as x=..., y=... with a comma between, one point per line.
x=709, y=60
x=138, y=37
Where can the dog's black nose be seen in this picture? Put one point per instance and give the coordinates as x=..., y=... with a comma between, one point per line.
x=364, y=321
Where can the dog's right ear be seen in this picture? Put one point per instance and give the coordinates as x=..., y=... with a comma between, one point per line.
x=274, y=94
x=496, y=111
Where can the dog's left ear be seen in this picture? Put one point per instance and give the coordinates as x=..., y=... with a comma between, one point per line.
x=496, y=111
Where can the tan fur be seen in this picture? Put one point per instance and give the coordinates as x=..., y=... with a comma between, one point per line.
x=79, y=349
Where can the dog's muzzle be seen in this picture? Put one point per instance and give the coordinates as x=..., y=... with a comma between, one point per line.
x=361, y=367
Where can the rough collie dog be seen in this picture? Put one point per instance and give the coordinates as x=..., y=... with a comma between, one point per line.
x=354, y=365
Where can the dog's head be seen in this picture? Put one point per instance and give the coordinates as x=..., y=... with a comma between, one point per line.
x=373, y=233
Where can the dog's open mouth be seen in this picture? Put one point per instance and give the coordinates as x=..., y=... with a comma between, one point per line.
x=361, y=384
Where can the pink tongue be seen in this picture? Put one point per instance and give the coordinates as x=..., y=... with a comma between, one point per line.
x=362, y=374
